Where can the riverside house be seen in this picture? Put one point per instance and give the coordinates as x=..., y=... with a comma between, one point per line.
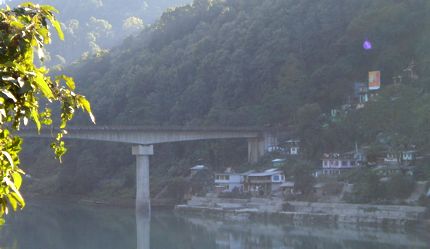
x=264, y=183
x=228, y=181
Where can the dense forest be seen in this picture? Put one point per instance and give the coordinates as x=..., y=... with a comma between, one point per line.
x=91, y=27
x=282, y=64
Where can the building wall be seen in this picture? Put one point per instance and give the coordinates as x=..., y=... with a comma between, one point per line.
x=229, y=182
x=338, y=163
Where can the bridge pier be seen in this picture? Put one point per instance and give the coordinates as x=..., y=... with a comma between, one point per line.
x=256, y=147
x=143, y=198
x=143, y=231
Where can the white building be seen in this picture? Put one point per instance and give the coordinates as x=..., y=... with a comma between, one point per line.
x=228, y=181
x=293, y=147
x=335, y=163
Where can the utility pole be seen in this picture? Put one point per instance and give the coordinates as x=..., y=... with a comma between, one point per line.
x=411, y=70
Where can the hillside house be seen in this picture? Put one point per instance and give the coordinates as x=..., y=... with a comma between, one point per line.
x=335, y=163
x=264, y=183
x=361, y=94
x=402, y=158
x=292, y=147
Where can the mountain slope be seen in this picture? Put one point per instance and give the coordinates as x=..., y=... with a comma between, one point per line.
x=92, y=26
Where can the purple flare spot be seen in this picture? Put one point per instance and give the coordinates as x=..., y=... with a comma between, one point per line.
x=367, y=45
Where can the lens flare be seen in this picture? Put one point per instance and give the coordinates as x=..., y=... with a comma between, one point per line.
x=367, y=45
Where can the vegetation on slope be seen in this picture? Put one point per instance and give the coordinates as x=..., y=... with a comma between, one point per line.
x=93, y=26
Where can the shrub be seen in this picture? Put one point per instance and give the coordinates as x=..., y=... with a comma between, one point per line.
x=399, y=187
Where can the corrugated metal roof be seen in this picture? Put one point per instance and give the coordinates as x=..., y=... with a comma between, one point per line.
x=198, y=167
x=271, y=173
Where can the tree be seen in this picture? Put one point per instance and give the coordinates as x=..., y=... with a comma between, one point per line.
x=27, y=92
x=133, y=24
x=303, y=178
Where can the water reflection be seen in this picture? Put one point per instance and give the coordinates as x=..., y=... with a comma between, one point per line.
x=66, y=227
x=240, y=236
x=143, y=230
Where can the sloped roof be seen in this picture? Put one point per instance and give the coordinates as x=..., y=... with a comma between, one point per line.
x=269, y=172
x=199, y=167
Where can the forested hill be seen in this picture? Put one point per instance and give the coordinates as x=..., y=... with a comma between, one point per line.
x=277, y=63
x=253, y=62
x=93, y=26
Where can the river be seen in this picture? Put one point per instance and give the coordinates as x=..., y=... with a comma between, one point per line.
x=71, y=226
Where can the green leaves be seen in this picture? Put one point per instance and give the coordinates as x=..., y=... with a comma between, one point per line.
x=86, y=106
x=43, y=86
x=23, y=84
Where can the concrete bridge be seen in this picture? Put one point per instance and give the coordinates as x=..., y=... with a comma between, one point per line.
x=142, y=140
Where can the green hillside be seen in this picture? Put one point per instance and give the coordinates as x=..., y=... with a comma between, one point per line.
x=93, y=26
x=275, y=63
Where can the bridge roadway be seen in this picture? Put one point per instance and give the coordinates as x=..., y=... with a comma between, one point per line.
x=142, y=140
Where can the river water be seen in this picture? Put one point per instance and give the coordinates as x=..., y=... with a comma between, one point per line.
x=62, y=226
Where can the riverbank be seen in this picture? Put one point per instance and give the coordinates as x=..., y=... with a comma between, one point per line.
x=277, y=210
x=128, y=203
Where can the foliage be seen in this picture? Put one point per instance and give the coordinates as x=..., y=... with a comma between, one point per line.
x=133, y=24
x=303, y=179
x=367, y=187
x=399, y=187
x=177, y=189
x=24, y=87
x=93, y=26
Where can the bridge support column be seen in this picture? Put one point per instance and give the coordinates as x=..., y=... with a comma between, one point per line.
x=143, y=231
x=256, y=147
x=143, y=199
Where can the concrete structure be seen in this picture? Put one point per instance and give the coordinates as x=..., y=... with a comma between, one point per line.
x=143, y=139
x=258, y=140
x=143, y=198
x=143, y=230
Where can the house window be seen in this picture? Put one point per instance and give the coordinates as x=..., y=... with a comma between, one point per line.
x=276, y=178
x=325, y=163
x=223, y=177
